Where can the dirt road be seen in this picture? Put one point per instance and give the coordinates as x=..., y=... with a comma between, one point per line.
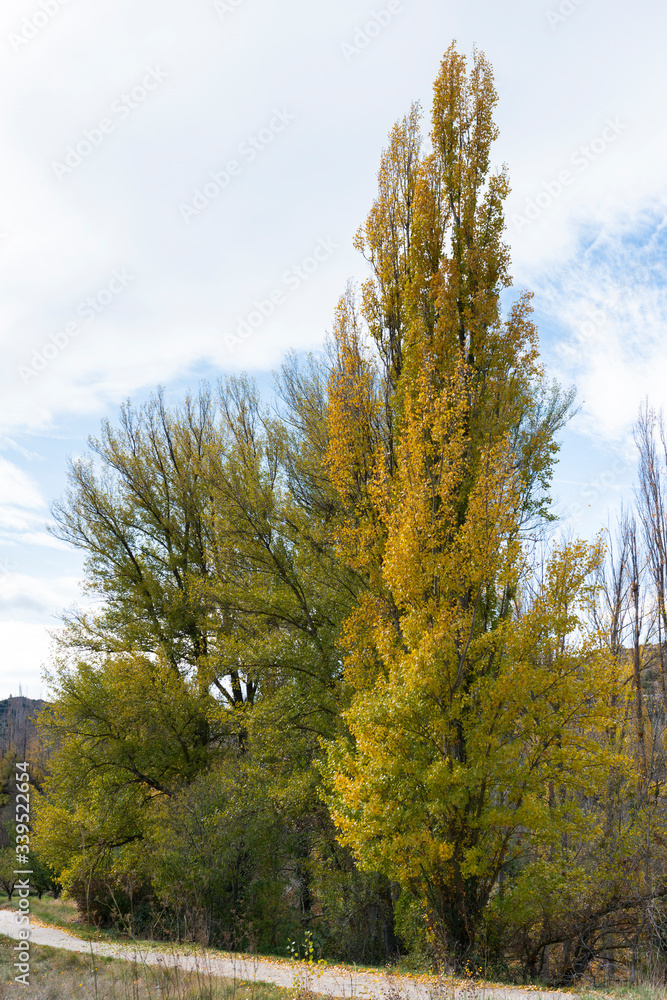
x=328, y=980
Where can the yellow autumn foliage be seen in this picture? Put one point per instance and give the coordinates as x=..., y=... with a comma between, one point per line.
x=477, y=690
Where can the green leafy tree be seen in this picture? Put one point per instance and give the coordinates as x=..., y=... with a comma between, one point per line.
x=216, y=641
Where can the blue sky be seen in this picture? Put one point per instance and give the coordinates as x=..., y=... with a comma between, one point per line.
x=166, y=165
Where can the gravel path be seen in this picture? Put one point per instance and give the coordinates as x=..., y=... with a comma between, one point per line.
x=328, y=980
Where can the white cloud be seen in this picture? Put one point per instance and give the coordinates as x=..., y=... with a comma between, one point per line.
x=17, y=490
x=31, y=597
x=610, y=304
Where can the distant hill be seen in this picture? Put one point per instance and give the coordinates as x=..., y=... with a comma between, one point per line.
x=17, y=727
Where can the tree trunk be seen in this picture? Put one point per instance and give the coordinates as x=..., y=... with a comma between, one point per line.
x=387, y=914
x=575, y=967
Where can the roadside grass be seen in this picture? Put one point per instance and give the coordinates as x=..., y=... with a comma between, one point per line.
x=641, y=992
x=64, y=975
x=64, y=914
x=59, y=912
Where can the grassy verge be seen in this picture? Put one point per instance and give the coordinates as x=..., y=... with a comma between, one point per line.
x=63, y=975
x=646, y=992
x=59, y=912
x=63, y=913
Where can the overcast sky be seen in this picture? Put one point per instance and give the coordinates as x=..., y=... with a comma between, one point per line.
x=165, y=165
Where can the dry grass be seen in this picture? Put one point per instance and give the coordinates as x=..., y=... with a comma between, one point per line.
x=644, y=992
x=63, y=975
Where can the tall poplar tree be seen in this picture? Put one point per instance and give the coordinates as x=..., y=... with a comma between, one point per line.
x=470, y=698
